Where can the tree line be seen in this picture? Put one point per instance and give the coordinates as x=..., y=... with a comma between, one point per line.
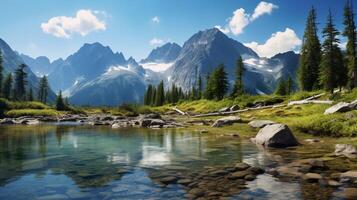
x=324, y=66
x=15, y=87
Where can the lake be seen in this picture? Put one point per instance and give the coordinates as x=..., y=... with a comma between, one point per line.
x=85, y=162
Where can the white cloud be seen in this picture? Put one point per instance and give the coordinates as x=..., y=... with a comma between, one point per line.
x=278, y=42
x=241, y=19
x=263, y=8
x=156, y=19
x=156, y=42
x=83, y=23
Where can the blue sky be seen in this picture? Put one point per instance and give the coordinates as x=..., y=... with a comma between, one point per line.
x=128, y=26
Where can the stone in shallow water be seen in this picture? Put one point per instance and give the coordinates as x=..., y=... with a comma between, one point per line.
x=240, y=174
x=347, y=193
x=350, y=175
x=197, y=192
x=168, y=180
x=311, y=177
x=242, y=166
x=53, y=197
x=347, y=150
x=184, y=181
x=333, y=183
x=276, y=135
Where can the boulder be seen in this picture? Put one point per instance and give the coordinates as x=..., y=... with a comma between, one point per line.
x=347, y=150
x=30, y=122
x=260, y=123
x=340, y=107
x=121, y=124
x=350, y=175
x=226, y=121
x=312, y=177
x=7, y=121
x=276, y=135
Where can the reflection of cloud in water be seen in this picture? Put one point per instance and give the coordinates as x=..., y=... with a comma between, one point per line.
x=116, y=158
x=155, y=156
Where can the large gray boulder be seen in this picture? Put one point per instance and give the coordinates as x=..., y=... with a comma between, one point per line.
x=341, y=107
x=226, y=121
x=260, y=123
x=276, y=135
x=347, y=150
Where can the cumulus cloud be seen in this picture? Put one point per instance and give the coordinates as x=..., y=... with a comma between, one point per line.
x=156, y=42
x=84, y=22
x=155, y=19
x=263, y=8
x=278, y=42
x=241, y=18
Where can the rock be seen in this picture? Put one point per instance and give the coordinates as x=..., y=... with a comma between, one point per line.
x=260, y=123
x=333, y=183
x=256, y=170
x=249, y=177
x=30, y=122
x=225, y=109
x=150, y=116
x=242, y=166
x=347, y=150
x=312, y=177
x=184, y=181
x=241, y=174
x=276, y=135
x=348, y=193
x=349, y=175
x=197, y=192
x=219, y=173
x=313, y=140
x=121, y=124
x=234, y=108
x=288, y=171
x=340, y=107
x=168, y=179
x=226, y=121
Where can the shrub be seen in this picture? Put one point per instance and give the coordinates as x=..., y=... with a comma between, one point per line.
x=31, y=112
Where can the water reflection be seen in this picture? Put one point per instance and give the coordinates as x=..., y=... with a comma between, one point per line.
x=80, y=161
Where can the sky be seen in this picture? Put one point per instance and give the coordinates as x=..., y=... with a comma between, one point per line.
x=59, y=28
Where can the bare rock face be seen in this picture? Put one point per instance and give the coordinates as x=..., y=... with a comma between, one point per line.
x=276, y=135
x=226, y=121
x=341, y=107
x=260, y=123
x=347, y=150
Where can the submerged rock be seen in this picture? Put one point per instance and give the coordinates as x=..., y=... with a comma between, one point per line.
x=311, y=177
x=260, y=123
x=226, y=121
x=276, y=135
x=347, y=150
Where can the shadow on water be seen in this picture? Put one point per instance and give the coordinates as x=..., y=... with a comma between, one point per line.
x=65, y=161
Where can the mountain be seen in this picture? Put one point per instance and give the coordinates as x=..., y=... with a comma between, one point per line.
x=119, y=84
x=89, y=62
x=40, y=65
x=12, y=60
x=290, y=60
x=164, y=54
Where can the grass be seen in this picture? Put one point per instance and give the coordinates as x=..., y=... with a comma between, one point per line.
x=32, y=112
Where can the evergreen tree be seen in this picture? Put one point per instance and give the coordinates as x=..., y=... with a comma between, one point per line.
x=341, y=68
x=220, y=82
x=350, y=33
x=43, y=90
x=66, y=102
x=20, y=83
x=329, y=63
x=1, y=73
x=153, y=96
x=193, y=94
x=289, y=86
x=30, y=95
x=209, y=91
x=310, y=55
x=148, y=95
x=199, y=88
x=281, y=89
x=238, y=88
x=7, y=87
x=60, y=105
x=160, y=94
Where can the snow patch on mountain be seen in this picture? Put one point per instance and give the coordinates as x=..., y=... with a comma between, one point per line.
x=157, y=67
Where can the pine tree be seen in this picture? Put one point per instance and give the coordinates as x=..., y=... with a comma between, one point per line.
x=329, y=63
x=193, y=94
x=7, y=87
x=20, y=82
x=350, y=33
x=281, y=89
x=199, y=88
x=60, y=105
x=30, y=95
x=160, y=94
x=341, y=68
x=238, y=88
x=209, y=93
x=220, y=82
x=148, y=95
x=289, y=86
x=153, y=96
x=310, y=55
x=43, y=90
x=1, y=73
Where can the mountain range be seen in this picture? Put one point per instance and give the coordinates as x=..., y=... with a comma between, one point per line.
x=95, y=75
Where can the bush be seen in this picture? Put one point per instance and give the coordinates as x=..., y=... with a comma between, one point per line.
x=28, y=105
